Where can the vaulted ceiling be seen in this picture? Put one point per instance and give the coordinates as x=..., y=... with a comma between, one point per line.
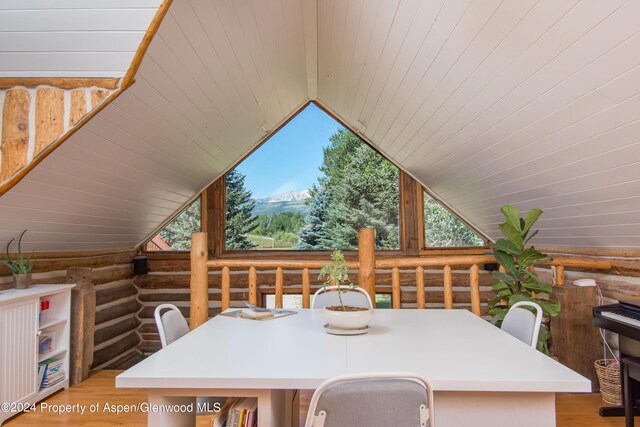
x=485, y=102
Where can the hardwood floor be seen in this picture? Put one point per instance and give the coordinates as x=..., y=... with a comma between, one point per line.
x=573, y=410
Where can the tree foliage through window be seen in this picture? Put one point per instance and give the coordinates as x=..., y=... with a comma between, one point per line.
x=443, y=229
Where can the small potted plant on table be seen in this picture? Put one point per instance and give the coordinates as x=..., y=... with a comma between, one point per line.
x=20, y=267
x=342, y=316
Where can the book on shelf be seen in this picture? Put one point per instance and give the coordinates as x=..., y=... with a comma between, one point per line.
x=243, y=413
x=219, y=419
x=51, y=372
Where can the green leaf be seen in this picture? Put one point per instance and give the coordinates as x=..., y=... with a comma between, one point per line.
x=517, y=298
x=536, y=286
x=531, y=236
x=512, y=234
x=512, y=216
x=493, y=303
x=530, y=256
x=504, y=277
x=507, y=246
x=530, y=219
x=507, y=261
x=500, y=286
x=550, y=308
x=498, y=318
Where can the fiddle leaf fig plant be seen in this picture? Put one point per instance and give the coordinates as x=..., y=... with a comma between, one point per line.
x=337, y=273
x=519, y=281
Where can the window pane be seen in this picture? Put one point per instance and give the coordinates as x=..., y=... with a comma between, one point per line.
x=311, y=187
x=443, y=229
x=176, y=236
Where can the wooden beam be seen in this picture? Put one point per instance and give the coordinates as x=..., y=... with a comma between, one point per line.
x=49, y=117
x=215, y=217
x=78, y=107
x=306, y=288
x=409, y=215
x=474, y=280
x=367, y=261
x=146, y=41
x=396, y=301
x=17, y=176
x=98, y=96
x=15, y=132
x=420, y=287
x=279, y=287
x=558, y=275
x=59, y=82
x=448, y=288
x=83, y=323
x=226, y=288
x=199, y=301
x=253, y=286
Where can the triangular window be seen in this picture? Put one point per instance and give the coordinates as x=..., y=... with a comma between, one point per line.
x=311, y=186
x=176, y=236
x=443, y=229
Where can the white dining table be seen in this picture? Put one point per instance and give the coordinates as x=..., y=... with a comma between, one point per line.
x=480, y=375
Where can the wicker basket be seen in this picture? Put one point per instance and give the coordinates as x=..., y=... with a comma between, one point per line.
x=609, y=376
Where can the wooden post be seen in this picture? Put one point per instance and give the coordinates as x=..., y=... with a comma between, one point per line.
x=199, y=311
x=367, y=261
x=306, y=288
x=215, y=217
x=574, y=340
x=83, y=323
x=474, y=281
x=253, y=286
x=279, y=286
x=226, y=288
x=49, y=117
x=558, y=277
x=396, y=301
x=448, y=288
x=420, y=287
x=410, y=209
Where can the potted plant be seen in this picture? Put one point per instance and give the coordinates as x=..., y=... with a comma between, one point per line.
x=345, y=317
x=20, y=267
x=519, y=281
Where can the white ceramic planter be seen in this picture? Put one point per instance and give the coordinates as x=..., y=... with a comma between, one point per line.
x=347, y=319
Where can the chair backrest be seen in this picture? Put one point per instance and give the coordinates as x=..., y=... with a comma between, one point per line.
x=382, y=399
x=171, y=325
x=522, y=323
x=328, y=296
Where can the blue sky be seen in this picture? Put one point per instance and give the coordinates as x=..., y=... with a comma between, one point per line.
x=289, y=161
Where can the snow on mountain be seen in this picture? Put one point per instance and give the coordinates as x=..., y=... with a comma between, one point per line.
x=289, y=196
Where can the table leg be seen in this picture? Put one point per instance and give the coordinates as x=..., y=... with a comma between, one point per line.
x=171, y=411
x=490, y=409
x=272, y=407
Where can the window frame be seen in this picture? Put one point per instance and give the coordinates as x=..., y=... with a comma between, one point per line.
x=410, y=217
x=446, y=250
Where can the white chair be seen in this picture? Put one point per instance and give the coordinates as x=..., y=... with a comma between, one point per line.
x=522, y=323
x=381, y=399
x=171, y=326
x=328, y=296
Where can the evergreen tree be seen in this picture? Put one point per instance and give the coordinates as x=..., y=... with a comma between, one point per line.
x=361, y=190
x=312, y=234
x=178, y=232
x=240, y=219
x=443, y=229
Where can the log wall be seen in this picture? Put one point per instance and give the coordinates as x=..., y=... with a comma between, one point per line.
x=32, y=118
x=116, y=337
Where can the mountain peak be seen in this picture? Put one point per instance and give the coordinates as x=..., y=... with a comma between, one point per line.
x=289, y=196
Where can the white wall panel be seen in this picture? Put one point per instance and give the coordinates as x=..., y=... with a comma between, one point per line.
x=530, y=102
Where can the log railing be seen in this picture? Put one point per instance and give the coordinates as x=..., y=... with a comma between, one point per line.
x=366, y=266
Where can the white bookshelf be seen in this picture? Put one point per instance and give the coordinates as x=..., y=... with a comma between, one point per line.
x=20, y=327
